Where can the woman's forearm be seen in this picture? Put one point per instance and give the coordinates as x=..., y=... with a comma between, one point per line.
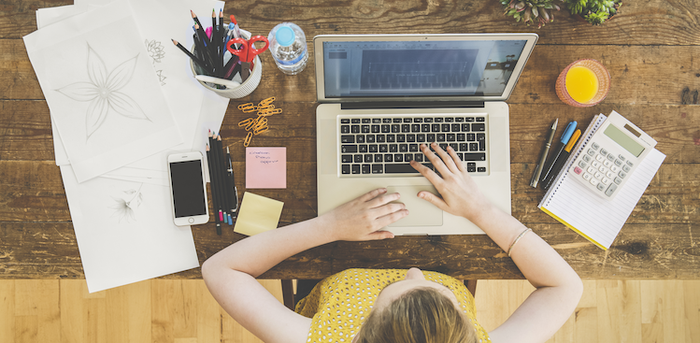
x=356, y=220
x=535, y=258
x=257, y=254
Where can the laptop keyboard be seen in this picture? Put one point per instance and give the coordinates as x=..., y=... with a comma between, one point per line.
x=374, y=144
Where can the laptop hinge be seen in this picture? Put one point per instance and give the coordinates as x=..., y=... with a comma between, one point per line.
x=409, y=104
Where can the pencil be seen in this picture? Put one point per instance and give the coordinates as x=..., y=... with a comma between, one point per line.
x=194, y=58
x=213, y=193
x=221, y=171
x=217, y=178
x=216, y=42
x=232, y=190
x=222, y=38
x=206, y=47
x=194, y=17
x=214, y=182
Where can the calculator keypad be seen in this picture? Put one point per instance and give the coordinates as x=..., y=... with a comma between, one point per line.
x=603, y=170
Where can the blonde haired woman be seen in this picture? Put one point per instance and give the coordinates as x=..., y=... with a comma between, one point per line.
x=393, y=305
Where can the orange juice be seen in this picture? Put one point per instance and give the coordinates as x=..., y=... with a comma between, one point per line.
x=581, y=84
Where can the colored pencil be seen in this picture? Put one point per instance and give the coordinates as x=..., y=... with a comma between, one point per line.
x=194, y=17
x=221, y=171
x=213, y=193
x=214, y=183
x=232, y=190
x=194, y=58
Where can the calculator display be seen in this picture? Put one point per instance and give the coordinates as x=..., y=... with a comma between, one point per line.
x=624, y=140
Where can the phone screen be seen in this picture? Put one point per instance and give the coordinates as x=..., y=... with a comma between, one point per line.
x=188, y=192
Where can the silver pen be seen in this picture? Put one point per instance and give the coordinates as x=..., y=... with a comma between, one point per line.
x=543, y=158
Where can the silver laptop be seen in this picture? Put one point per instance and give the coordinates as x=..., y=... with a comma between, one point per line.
x=383, y=95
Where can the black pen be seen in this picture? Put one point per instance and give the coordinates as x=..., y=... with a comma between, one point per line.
x=561, y=161
x=538, y=169
x=562, y=143
x=233, y=196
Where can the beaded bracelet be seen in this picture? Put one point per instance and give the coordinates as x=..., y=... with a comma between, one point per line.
x=517, y=239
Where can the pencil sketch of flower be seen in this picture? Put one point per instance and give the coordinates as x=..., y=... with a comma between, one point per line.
x=155, y=50
x=103, y=92
x=127, y=204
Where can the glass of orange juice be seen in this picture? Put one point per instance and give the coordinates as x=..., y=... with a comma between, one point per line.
x=583, y=83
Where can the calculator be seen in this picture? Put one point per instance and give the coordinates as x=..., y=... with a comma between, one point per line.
x=610, y=156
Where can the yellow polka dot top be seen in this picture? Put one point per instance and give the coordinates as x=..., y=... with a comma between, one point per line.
x=339, y=304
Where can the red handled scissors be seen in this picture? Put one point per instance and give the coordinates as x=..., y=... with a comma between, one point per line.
x=246, y=52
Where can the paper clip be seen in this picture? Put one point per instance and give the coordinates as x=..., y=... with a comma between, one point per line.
x=266, y=107
x=245, y=122
x=262, y=121
x=252, y=124
x=259, y=130
x=267, y=101
x=248, y=138
x=247, y=107
x=268, y=113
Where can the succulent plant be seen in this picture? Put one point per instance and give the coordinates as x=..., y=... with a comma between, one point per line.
x=531, y=11
x=595, y=12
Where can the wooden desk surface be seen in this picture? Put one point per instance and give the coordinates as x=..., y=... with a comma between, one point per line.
x=651, y=50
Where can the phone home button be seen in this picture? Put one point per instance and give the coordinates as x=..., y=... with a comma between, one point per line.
x=191, y=220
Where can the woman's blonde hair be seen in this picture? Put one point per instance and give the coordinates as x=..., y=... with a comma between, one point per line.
x=422, y=315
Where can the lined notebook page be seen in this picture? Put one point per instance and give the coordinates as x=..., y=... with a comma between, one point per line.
x=592, y=216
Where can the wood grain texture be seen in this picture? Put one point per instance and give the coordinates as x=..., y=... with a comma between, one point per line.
x=609, y=311
x=650, y=50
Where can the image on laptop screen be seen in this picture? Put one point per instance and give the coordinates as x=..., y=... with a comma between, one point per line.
x=419, y=68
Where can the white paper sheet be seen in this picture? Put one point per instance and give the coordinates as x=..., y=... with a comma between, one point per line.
x=125, y=231
x=195, y=109
x=101, y=90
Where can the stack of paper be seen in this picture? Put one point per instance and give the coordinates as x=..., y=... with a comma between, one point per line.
x=122, y=98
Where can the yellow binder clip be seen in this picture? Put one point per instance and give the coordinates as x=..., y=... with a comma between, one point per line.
x=247, y=107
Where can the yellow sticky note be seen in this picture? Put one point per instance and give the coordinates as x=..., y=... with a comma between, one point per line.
x=257, y=214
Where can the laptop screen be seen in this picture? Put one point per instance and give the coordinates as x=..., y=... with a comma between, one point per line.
x=419, y=67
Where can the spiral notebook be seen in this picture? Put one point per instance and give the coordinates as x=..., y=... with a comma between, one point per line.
x=594, y=218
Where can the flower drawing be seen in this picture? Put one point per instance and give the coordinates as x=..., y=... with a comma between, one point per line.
x=155, y=50
x=127, y=203
x=103, y=92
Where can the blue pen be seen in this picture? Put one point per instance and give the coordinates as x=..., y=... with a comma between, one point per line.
x=570, y=128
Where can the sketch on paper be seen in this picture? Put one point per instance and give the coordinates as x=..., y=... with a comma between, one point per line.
x=126, y=205
x=103, y=92
x=157, y=52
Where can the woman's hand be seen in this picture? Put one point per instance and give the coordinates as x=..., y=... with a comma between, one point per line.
x=459, y=194
x=359, y=219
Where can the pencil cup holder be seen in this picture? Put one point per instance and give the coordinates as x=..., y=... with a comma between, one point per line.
x=244, y=89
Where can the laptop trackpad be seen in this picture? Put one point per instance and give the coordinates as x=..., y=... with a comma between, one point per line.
x=420, y=212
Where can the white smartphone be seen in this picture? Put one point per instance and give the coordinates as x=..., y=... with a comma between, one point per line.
x=187, y=188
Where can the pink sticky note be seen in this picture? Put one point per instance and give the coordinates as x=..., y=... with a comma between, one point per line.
x=266, y=167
